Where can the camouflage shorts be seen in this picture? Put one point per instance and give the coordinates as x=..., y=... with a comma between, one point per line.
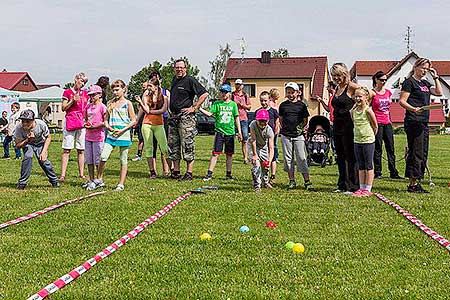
x=182, y=131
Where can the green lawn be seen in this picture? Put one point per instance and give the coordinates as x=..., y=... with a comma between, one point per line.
x=356, y=248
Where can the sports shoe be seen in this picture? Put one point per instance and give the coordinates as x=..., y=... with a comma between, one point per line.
x=268, y=185
x=291, y=185
x=187, y=177
x=207, y=177
x=99, y=183
x=152, y=174
x=396, y=177
x=229, y=177
x=349, y=193
x=358, y=193
x=366, y=193
x=379, y=176
x=337, y=190
x=272, y=179
x=91, y=186
x=85, y=184
x=175, y=175
x=309, y=187
x=119, y=187
x=417, y=189
x=55, y=185
x=21, y=186
x=137, y=158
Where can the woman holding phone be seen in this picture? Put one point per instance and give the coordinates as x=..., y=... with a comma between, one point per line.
x=416, y=93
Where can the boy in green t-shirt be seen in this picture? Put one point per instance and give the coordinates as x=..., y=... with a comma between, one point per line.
x=226, y=114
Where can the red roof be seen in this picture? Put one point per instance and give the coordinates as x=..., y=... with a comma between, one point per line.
x=370, y=67
x=9, y=80
x=398, y=114
x=290, y=67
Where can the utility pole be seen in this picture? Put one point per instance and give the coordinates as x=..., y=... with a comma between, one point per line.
x=408, y=39
x=243, y=46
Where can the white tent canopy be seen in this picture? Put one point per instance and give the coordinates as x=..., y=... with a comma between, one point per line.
x=51, y=94
x=5, y=92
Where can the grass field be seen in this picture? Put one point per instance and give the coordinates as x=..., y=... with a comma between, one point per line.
x=356, y=248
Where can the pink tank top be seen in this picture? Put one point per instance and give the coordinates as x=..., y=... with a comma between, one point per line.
x=380, y=106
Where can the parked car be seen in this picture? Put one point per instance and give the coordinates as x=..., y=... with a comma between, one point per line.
x=205, y=124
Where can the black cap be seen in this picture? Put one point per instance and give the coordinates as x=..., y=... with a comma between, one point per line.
x=27, y=114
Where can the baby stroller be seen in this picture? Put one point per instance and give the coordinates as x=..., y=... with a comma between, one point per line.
x=319, y=141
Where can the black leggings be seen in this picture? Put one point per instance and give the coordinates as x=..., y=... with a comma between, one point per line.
x=417, y=134
x=345, y=152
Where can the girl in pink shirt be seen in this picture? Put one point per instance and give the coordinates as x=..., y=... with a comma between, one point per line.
x=95, y=114
x=381, y=103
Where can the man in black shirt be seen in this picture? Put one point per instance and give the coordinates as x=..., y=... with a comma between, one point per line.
x=182, y=121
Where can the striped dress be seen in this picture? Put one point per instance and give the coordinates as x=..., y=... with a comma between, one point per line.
x=119, y=119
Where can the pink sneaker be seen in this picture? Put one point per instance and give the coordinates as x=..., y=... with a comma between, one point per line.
x=366, y=193
x=358, y=193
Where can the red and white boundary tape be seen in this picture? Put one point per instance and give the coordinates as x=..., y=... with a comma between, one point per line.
x=80, y=270
x=46, y=210
x=433, y=234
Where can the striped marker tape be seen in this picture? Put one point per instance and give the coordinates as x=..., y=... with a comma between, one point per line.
x=46, y=210
x=433, y=234
x=87, y=265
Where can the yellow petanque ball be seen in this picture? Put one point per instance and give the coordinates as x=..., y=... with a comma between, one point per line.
x=298, y=248
x=205, y=236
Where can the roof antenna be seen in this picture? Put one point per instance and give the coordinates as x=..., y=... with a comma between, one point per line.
x=243, y=46
x=408, y=39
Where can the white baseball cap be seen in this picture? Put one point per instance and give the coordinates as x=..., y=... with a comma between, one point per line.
x=238, y=81
x=292, y=85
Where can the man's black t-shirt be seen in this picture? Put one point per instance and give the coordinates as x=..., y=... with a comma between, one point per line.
x=419, y=96
x=293, y=114
x=182, y=93
x=273, y=116
x=3, y=122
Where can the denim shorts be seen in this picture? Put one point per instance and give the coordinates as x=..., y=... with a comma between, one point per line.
x=244, y=129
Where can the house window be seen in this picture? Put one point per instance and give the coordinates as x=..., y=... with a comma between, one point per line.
x=56, y=109
x=25, y=82
x=250, y=90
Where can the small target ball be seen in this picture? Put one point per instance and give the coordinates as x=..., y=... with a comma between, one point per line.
x=298, y=248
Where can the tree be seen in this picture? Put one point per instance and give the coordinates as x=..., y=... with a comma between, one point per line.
x=167, y=73
x=218, y=66
x=69, y=85
x=280, y=53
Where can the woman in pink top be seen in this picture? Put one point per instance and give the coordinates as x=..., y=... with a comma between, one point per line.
x=95, y=116
x=381, y=102
x=73, y=104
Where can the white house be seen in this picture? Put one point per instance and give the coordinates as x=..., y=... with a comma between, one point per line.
x=397, y=71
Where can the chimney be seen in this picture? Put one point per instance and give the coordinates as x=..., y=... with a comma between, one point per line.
x=265, y=57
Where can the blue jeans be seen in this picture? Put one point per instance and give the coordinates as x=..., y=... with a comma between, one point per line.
x=27, y=164
x=6, y=142
x=244, y=129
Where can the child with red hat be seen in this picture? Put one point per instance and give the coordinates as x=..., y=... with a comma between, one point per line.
x=261, y=149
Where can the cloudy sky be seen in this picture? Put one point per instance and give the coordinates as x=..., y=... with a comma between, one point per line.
x=55, y=39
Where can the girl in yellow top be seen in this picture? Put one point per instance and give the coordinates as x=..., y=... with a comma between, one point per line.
x=364, y=130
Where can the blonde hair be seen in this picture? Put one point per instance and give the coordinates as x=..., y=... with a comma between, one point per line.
x=83, y=76
x=112, y=102
x=420, y=61
x=364, y=90
x=339, y=69
x=274, y=93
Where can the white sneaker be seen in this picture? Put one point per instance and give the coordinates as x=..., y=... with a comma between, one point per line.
x=137, y=158
x=119, y=187
x=91, y=186
x=99, y=183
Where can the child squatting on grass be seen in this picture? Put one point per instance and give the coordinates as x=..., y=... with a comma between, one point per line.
x=274, y=123
x=33, y=136
x=226, y=114
x=120, y=119
x=293, y=119
x=94, y=118
x=365, y=128
x=261, y=149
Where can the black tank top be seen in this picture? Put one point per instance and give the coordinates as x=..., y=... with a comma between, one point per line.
x=342, y=122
